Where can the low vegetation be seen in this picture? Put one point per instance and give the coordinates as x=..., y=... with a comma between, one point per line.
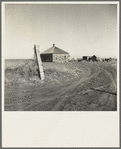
x=73, y=86
x=28, y=72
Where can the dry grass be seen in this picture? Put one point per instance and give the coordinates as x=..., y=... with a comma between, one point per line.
x=86, y=89
x=26, y=71
x=23, y=72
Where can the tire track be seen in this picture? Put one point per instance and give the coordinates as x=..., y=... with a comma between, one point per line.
x=59, y=106
x=88, y=76
x=66, y=91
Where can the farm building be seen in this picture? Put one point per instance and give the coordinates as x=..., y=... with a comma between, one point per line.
x=93, y=58
x=54, y=54
x=89, y=58
x=85, y=58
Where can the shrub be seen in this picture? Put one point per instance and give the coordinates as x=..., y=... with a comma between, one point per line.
x=28, y=69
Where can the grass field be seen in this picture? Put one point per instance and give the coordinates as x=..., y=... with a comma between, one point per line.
x=28, y=70
x=73, y=86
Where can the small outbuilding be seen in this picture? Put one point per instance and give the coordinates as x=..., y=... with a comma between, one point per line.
x=94, y=58
x=85, y=58
x=54, y=54
x=89, y=58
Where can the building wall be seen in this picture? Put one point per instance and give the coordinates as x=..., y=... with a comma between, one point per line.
x=46, y=57
x=60, y=57
x=85, y=58
x=94, y=58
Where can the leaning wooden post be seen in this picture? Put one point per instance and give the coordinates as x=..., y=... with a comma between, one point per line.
x=39, y=62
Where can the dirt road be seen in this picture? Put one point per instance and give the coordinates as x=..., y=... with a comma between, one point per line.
x=94, y=89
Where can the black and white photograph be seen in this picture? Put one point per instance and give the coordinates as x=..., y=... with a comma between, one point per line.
x=60, y=80
x=60, y=57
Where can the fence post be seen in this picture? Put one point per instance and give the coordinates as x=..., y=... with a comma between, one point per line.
x=39, y=62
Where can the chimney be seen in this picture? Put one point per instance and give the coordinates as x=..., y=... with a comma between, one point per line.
x=53, y=45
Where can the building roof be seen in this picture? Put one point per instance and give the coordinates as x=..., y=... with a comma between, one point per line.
x=54, y=50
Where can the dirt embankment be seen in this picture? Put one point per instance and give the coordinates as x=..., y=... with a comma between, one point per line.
x=67, y=87
x=27, y=73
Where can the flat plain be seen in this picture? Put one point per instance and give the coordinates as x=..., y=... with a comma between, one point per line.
x=72, y=86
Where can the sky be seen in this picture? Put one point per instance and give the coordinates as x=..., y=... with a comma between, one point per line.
x=79, y=29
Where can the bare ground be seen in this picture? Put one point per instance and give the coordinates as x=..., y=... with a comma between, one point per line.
x=85, y=86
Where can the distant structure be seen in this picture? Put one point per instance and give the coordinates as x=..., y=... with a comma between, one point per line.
x=54, y=54
x=89, y=58
x=93, y=58
x=85, y=58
